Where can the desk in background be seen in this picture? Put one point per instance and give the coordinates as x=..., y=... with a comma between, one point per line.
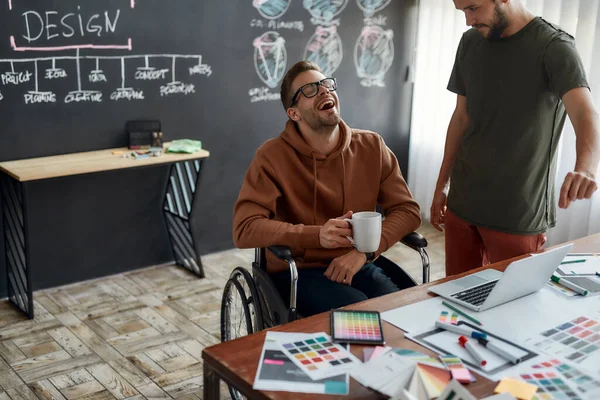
x=236, y=362
x=179, y=196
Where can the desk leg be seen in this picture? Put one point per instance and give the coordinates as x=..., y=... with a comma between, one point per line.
x=14, y=209
x=177, y=208
x=212, y=390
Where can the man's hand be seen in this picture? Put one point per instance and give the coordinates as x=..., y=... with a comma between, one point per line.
x=577, y=186
x=334, y=233
x=438, y=208
x=343, y=268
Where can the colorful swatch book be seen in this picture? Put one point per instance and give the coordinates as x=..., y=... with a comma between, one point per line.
x=422, y=376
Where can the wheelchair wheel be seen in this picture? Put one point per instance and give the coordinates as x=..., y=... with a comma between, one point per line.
x=240, y=310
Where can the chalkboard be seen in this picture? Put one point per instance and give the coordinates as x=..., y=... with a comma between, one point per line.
x=72, y=73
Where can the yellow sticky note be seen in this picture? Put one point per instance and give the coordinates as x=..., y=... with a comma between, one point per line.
x=521, y=390
x=117, y=152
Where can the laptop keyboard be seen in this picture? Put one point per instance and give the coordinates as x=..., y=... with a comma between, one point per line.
x=475, y=295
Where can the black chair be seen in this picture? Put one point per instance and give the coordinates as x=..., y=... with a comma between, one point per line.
x=251, y=302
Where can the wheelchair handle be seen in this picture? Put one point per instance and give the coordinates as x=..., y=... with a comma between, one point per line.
x=414, y=240
x=282, y=252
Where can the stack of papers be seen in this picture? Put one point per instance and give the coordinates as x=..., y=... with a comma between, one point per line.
x=399, y=370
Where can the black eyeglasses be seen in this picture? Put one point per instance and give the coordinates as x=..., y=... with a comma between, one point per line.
x=311, y=89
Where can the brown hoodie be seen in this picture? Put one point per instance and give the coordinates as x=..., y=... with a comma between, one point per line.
x=289, y=192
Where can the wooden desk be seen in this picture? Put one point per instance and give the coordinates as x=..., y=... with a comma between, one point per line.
x=177, y=206
x=236, y=361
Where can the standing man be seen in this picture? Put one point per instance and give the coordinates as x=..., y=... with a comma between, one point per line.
x=515, y=75
x=303, y=183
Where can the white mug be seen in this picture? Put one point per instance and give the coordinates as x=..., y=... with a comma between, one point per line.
x=366, y=230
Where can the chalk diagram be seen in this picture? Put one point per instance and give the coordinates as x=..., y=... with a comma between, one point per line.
x=271, y=9
x=325, y=49
x=370, y=7
x=270, y=58
x=373, y=55
x=38, y=70
x=324, y=11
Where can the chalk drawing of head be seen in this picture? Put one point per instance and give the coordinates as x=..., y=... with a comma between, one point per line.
x=370, y=7
x=374, y=52
x=271, y=9
x=325, y=49
x=324, y=10
x=270, y=58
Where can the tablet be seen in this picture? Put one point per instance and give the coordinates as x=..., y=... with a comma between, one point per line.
x=349, y=326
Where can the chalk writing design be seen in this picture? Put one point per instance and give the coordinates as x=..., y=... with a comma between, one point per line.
x=97, y=75
x=271, y=9
x=83, y=27
x=325, y=49
x=373, y=55
x=370, y=7
x=270, y=58
x=323, y=11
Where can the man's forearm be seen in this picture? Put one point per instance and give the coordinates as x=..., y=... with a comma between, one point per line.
x=456, y=129
x=587, y=144
x=259, y=231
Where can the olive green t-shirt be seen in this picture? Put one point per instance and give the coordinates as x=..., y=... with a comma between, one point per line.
x=503, y=175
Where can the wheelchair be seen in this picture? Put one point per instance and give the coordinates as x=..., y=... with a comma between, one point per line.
x=252, y=303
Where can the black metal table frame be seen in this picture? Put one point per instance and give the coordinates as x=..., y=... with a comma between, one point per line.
x=178, y=202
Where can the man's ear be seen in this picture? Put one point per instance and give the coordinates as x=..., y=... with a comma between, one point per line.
x=293, y=114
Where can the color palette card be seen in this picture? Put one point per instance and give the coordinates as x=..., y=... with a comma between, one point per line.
x=420, y=358
x=319, y=357
x=550, y=385
x=448, y=318
x=577, y=340
x=349, y=326
x=584, y=383
x=457, y=369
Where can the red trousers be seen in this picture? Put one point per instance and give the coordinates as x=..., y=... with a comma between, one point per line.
x=469, y=246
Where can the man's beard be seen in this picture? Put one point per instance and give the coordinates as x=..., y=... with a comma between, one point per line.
x=317, y=122
x=499, y=24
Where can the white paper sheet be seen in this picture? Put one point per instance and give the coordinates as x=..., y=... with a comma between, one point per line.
x=590, y=266
x=515, y=320
x=280, y=373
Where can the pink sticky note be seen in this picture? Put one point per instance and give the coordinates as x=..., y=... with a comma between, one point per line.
x=461, y=374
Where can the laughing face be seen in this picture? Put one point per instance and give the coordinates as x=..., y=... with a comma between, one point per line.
x=319, y=111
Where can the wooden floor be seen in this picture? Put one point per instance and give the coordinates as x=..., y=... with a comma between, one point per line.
x=135, y=335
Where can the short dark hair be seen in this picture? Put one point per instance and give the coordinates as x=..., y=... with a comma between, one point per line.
x=288, y=79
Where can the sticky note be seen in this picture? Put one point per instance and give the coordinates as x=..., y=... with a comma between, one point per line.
x=521, y=390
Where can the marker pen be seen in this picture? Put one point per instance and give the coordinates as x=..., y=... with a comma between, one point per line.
x=464, y=342
x=497, y=350
x=569, y=285
x=460, y=330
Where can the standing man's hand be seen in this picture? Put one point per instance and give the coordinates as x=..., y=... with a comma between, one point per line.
x=343, y=268
x=334, y=234
x=577, y=186
x=438, y=208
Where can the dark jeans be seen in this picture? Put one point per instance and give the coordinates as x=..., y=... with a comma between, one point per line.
x=316, y=293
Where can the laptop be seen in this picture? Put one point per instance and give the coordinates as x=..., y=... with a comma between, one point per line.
x=490, y=288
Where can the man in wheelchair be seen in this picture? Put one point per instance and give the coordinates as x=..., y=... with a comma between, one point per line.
x=300, y=187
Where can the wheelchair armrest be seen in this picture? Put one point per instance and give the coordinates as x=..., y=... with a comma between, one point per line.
x=281, y=252
x=414, y=240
